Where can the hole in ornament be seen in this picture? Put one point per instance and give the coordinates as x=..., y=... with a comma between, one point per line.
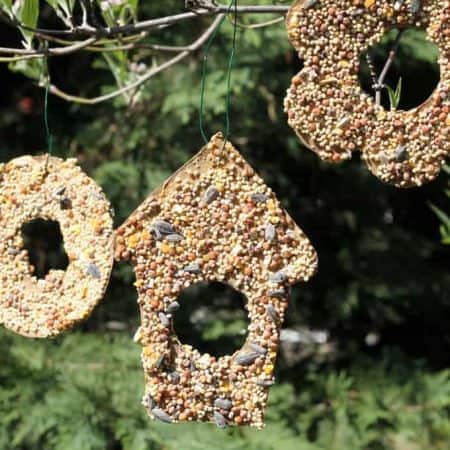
x=212, y=318
x=44, y=243
x=414, y=72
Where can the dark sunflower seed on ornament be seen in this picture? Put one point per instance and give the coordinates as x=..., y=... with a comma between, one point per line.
x=278, y=277
x=277, y=293
x=223, y=403
x=159, y=362
x=265, y=382
x=257, y=348
x=93, y=271
x=272, y=313
x=59, y=191
x=149, y=402
x=259, y=198
x=415, y=6
x=192, y=268
x=246, y=359
x=174, y=377
x=173, y=307
x=174, y=237
x=401, y=153
x=270, y=232
x=161, y=415
x=210, y=195
x=165, y=321
x=310, y=3
x=65, y=203
x=219, y=420
x=162, y=227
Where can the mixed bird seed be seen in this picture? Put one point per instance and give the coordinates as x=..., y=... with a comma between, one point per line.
x=49, y=188
x=334, y=117
x=221, y=210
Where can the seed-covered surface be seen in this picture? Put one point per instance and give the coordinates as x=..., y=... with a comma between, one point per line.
x=221, y=209
x=334, y=117
x=52, y=189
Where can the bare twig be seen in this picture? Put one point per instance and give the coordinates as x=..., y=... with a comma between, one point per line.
x=59, y=51
x=153, y=23
x=390, y=60
x=145, y=77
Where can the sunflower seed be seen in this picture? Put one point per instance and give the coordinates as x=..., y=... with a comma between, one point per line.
x=65, y=203
x=401, y=153
x=159, y=362
x=210, y=195
x=357, y=12
x=278, y=277
x=164, y=319
x=174, y=377
x=415, y=7
x=259, y=198
x=174, y=306
x=265, y=383
x=343, y=122
x=309, y=3
x=149, y=402
x=161, y=415
x=174, y=237
x=13, y=251
x=223, y=403
x=162, y=227
x=219, y=420
x=270, y=232
x=277, y=293
x=272, y=313
x=192, y=268
x=93, y=271
x=246, y=359
x=257, y=348
x=59, y=191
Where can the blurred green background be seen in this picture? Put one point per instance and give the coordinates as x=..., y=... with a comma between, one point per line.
x=365, y=355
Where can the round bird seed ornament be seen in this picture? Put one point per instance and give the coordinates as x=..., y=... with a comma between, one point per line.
x=49, y=188
x=334, y=117
x=213, y=220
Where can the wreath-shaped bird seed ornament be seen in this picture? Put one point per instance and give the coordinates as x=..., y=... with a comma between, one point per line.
x=213, y=220
x=333, y=116
x=49, y=188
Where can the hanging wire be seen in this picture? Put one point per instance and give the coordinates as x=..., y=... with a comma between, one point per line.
x=229, y=72
x=49, y=136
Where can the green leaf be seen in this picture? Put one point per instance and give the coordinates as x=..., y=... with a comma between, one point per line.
x=28, y=16
x=6, y=5
x=445, y=227
x=394, y=96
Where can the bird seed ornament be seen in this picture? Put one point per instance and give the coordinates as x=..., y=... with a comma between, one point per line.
x=334, y=117
x=213, y=220
x=49, y=188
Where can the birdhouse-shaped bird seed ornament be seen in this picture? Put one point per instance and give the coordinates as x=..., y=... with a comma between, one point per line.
x=212, y=220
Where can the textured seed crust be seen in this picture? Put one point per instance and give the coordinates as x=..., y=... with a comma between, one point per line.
x=221, y=208
x=334, y=117
x=52, y=189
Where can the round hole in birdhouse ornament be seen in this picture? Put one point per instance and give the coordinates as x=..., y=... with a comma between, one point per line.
x=213, y=318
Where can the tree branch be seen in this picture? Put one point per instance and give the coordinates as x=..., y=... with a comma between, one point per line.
x=143, y=78
x=390, y=60
x=154, y=23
